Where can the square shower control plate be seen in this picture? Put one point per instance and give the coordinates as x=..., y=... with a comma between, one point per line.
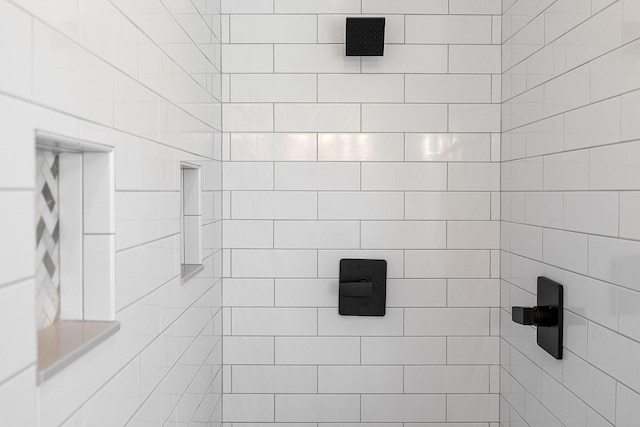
x=363, y=287
x=550, y=294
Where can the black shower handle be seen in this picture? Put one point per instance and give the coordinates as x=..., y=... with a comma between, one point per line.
x=362, y=288
x=538, y=315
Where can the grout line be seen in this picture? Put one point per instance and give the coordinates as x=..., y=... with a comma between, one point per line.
x=17, y=189
x=139, y=245
x=446, y=406
x=404, y=88
x=20, y=281
x=82, y=239
x=591, y=234
x=17, y=373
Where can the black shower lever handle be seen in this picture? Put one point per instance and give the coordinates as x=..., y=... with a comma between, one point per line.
x=363, y=288
x=538, y=315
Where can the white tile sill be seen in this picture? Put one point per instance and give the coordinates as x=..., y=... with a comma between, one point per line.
x=65, y=341
x=189, y=271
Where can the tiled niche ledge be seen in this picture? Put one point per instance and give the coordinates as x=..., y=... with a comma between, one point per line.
x=189, y=271
x=65, y=341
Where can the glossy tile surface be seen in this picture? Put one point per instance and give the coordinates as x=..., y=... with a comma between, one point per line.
x=393, y=157
x=106, y=73
x=569, y=208
x=328, y=157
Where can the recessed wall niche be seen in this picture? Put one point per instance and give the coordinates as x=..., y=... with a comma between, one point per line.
x=191, y=218
x=75, y=249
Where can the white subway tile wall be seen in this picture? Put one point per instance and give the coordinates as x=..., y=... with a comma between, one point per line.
x=329, y=157
x=570, y=161
x=144, y=78
x=494, y=142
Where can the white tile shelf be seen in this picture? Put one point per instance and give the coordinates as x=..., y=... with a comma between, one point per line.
x=189, y=271
x=65, y=341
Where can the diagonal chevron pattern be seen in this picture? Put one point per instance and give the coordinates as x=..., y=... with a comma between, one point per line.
x=47, y=223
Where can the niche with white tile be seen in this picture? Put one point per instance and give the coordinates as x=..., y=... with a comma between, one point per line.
x=191, y=218
x=75, y=255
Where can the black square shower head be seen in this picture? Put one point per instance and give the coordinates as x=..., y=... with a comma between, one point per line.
x=365, y=36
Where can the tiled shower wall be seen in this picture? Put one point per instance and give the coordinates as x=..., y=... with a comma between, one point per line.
x=143, y=77
x=329, y=157
x=571, y=208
